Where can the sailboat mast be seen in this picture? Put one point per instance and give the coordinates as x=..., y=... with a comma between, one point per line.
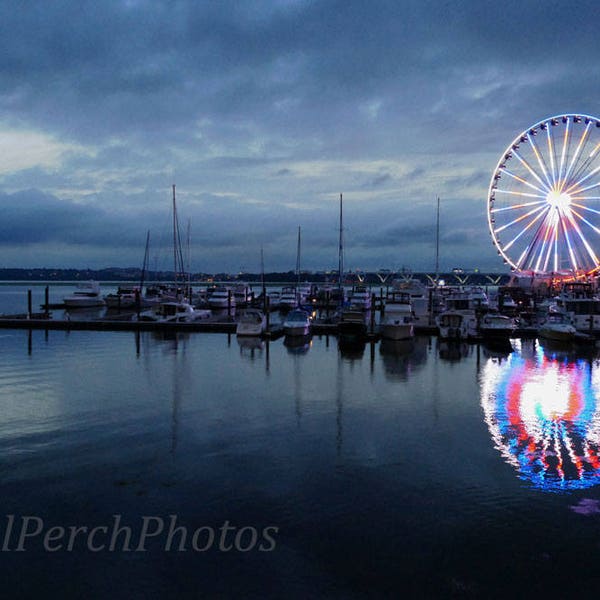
x=174, y=236
x=298, y=259
x=145, y=264
x=437, y=243
x=341, y=251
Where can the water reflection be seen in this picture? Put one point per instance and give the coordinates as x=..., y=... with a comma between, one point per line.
x=541, y=408
x=297, y=344
x=453, y=350
x=401, y=358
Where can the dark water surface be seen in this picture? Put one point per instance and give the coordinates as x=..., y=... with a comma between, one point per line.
x=392, y=470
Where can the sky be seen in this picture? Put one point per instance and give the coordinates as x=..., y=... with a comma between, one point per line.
x=262, y=112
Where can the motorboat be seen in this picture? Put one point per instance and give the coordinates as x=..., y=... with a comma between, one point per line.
x=360, y=297
x=581, y=306
x=86, y=295
x=496, y=326
x=251, y=322
x=420, y=297
x=397, y=320
x=125, y=297
x=242, y=294
x=174, y=312
x=452, y=325
x=288, y=299
x=459, y=319
x=558, y=327
x=297, y=323
x=221, y=298
x=352, y=324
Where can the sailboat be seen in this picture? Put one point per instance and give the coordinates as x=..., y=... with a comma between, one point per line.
x=177, y=309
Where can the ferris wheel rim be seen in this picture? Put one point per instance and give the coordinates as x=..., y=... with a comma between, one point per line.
x=504, y=158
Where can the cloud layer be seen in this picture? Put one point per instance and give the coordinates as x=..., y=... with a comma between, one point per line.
x=262, y=113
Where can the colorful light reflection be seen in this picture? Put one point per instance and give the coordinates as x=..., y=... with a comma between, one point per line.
x=543, y=414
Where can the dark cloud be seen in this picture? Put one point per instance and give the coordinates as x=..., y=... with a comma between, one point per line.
x=263, y=111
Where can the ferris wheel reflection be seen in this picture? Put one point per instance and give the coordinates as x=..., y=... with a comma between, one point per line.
x=542, y=409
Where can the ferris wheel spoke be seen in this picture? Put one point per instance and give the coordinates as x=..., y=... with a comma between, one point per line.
x=585, y=243
x=586, y=208
x=540, y=159
x=576, y=154
x=525, y=182
x=587, y=187
x=544, y=185
x=551, y=153
x=579, y=198
x=521, y=218
x=548, y=224
x=584, y=220
x=552, y=238
x=532, y=247
x=567, y=237
x=584, y=167
x=580, y=181
x=527, y=227
x=564, y=148
x=523, y=204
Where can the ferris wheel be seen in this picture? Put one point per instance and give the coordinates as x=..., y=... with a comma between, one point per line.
x=544, y=197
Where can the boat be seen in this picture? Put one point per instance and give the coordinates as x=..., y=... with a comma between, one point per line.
x=452, y=325
x=288, y=298
x=251, y=322
x=242, y=295
x=496, y=326
x=581, y=306
x=125, y=297
x=274, y=299
x=458, y=320
x=174, y=312
x=419, y=297
x=86, y=295
x=221, y=298
x=297, y=323
x=352, y=324
x=557, y=327
x=360, y=297
x=397, y=320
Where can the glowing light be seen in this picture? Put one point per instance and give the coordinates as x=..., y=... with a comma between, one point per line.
x=543, y=414
x=559, y=200
x=547, y=183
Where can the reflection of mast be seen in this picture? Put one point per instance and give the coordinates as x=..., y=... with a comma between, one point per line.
x=341, y=253
x=339, y=436
x=298, y=261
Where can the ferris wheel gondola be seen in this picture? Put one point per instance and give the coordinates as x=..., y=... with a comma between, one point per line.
x=544, y=198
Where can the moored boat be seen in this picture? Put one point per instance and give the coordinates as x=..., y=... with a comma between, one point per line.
x=86, y=295
x=397, y=320
x=174, y=312
x=557, y=327
x=251, y=322
x=297, y=323
x=494, y=326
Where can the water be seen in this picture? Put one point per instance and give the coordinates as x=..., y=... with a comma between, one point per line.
x=389, y=470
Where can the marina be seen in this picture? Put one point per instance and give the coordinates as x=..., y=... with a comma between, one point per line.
x=308, y=437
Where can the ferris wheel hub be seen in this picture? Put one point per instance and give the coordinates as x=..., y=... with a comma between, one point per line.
x=558, y=199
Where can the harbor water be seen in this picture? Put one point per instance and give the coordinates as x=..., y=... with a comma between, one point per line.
x=213, y=467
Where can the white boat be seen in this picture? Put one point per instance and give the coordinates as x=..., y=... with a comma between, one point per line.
x=459, y=319
x=452, y=325
x=242, y=294
x=288, y=299
x=251, y=322
x=397, y=320
x=496, y=326
x=478, y=299
x=296, y=323
x=221, y=298
x=86, y=295
x=274, y=299
x=419, y=297
x=581, y=306
x=124, y=297
x=558, y=327
x=360, y=297
x=175, y=312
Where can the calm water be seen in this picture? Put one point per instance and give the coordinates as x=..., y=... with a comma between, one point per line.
x=393, y=470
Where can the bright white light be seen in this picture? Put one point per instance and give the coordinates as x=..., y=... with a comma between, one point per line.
x=558, y=199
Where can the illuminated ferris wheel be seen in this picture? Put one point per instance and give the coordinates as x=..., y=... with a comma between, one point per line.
x=544, y=198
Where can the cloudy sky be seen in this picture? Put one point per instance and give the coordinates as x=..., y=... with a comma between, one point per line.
x=262, y=112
